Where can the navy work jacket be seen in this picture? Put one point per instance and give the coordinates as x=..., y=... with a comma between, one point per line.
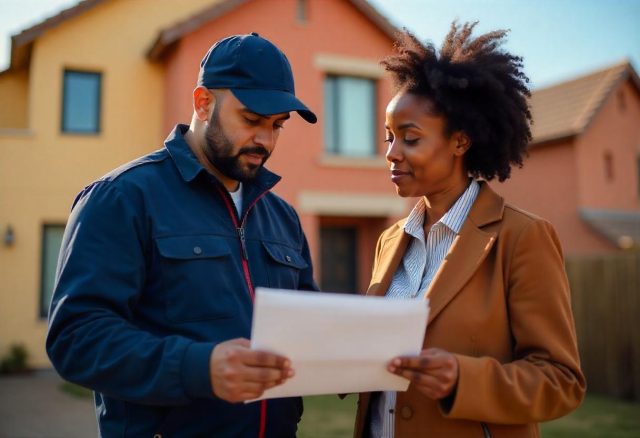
x=155, y=269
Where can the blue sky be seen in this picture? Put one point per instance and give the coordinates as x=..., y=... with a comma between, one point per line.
x=558, y=39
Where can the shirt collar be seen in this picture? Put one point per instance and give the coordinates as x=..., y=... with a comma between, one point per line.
x=452, y=219
x=455, y=217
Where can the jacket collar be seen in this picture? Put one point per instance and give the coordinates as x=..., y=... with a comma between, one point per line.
x=467, y=252
x=189, y=167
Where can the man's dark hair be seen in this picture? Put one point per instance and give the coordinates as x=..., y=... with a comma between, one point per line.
x=477, y=87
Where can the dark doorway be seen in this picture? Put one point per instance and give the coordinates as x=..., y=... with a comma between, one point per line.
x=338, y=257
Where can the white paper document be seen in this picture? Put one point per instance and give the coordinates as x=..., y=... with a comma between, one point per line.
x=337, y=343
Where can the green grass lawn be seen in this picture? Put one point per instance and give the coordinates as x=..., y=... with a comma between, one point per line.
x=327, y=416
x=597, y=417
x=602, y=417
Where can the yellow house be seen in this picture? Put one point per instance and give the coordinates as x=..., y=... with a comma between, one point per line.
x=78, y=99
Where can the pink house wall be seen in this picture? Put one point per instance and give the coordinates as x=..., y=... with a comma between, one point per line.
x=615, y=129
x=547, y=186
x=560, y=178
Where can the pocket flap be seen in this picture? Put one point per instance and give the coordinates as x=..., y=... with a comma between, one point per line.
x=192, y=247
x=285, y=255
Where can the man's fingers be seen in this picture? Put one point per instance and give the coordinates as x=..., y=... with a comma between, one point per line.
x=258, y=358
x=264, y=374
x=243, y=342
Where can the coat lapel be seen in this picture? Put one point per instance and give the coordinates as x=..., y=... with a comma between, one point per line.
x=467, y=252
x=392, y=252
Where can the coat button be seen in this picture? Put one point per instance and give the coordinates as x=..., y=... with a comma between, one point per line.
x=406, y=412
x=197, y=250
x=288, y=258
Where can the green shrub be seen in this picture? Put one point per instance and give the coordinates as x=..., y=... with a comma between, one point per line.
x=15, y=360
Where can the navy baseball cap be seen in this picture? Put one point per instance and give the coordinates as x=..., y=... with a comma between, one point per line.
x=257, y=73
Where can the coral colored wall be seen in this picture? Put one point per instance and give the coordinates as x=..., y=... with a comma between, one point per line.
x=616, y=130
x=547, y=186
x=559, y=179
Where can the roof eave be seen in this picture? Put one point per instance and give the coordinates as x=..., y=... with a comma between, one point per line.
x=22, y=43
x=170, y=36
x=377, y=18
x=628, y=73
x=556, y=138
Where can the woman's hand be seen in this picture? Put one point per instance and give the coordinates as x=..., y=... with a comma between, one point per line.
x=434, y=372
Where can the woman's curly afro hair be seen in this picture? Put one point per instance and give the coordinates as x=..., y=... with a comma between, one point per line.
x=477, y=87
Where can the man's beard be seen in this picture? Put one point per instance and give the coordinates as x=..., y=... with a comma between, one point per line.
x=219, y=151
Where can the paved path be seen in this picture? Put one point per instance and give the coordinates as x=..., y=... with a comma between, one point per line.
x=33, y=406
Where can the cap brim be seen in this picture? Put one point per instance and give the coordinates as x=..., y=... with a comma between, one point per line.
x=269, y=102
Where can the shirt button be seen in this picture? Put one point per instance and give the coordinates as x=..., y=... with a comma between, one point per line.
x=197, y=250
x=288, y=258
x=406, y=412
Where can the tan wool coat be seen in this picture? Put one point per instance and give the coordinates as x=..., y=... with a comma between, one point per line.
x=501, y=303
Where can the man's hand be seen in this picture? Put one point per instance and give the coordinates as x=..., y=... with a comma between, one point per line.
x=239, y=373
x=434, y=372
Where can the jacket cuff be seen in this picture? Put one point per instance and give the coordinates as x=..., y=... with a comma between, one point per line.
x=195, y=370
x=471, y=385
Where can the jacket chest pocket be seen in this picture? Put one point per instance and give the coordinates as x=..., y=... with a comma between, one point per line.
x=199, y=281
x=283, y=265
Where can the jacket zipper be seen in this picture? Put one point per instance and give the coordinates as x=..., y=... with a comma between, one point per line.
x=247, y=276
x=485, y=430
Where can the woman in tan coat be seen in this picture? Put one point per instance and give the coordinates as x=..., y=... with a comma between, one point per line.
x=500, y=350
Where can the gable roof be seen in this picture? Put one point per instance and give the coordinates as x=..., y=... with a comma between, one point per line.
x=22, y=43
x=566, y=109
x=168, y=37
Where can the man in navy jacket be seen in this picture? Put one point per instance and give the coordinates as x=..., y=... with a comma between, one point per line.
x=154, y=292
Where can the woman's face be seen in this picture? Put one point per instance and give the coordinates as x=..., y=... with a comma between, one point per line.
x=422, y=159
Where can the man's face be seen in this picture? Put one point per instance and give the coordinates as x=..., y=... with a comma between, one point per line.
x=237, y=141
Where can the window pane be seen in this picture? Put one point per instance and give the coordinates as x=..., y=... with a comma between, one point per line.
x=349, y=117
x=330, y=113
x=51, y=242
x=81, y=111
x=355, y=108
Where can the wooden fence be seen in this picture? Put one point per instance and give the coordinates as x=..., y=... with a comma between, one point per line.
x=606, y=304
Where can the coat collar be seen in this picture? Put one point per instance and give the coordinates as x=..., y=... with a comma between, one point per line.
x=190, y=168
x=467, y=252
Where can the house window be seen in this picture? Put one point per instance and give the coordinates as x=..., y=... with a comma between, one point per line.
x=301, y=11
x=638, y=173
x=81, y=102
x=349, y=116
x=608, y=166
x=51, y=242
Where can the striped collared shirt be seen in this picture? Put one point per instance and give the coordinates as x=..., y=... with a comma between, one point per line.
x=414, y=275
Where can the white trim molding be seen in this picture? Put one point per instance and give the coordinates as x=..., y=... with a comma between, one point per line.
x=351, y=204
x=348, y=66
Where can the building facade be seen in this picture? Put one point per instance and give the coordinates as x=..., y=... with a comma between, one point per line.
x=105, y=81
x=583, y=169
